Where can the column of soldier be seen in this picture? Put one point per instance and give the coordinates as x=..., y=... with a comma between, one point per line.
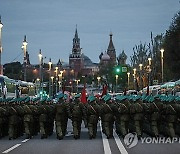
x=152, y=115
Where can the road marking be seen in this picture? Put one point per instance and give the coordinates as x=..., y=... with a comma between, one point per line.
x=106, y=145
x=119, y=143
x=69, y=134
x=12, y=148
x=25, y=140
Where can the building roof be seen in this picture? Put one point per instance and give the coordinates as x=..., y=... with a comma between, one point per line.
x=105, y=56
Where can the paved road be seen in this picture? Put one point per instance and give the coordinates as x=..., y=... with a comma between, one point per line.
x=68, y=145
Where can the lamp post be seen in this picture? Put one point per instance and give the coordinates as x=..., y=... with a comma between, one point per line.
x=1, y=26
x=77, y=81
x=52, y=77
x=37, y=83
x=134, y=75
x=128, y=75
x=140, y=77
x=149, y=71
x=56, y=71
x=50, y=66
x=60, y=80
x=116, y=81
x=162, y=64
x=149, y=61
x=24, y=47
x=40, y=69
x=98, y=78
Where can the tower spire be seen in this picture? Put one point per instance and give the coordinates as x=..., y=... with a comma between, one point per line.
x=24, y=38
x=76, y=33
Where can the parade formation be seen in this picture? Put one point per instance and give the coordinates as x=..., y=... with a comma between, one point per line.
x=152, y=115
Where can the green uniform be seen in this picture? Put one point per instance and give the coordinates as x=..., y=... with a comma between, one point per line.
x=93, y=112
x=2, y=118
x=61, y=118
x=77, y=114
x=43, y=119
x=137, y=113
x=13, y=123
x=107, y=111
x=122, y=117
x=28, y=121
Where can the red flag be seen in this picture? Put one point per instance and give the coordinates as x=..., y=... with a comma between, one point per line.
x=83, y=96
x=104, y=92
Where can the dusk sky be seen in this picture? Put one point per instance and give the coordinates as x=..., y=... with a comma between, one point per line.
x=50, y=26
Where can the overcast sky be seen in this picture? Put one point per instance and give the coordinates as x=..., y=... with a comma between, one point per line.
x=50, y=25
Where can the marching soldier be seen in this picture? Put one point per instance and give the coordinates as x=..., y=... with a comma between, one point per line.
x=108, y=110
x=137, y=113
x=2, y=120
x=28, y=118
x=122, y=116
x=13, y=121
x=61, y=117
x=77, y=113
x=92, y=116
x=43, y=119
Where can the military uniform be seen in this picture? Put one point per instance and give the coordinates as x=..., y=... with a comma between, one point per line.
x=13, y=121
x=107, y=111
x=122, y=115
x=93, y=113
x=43, y=119
x=77, y=113
x=61, y=117
x=137, y=113
x=2, y=118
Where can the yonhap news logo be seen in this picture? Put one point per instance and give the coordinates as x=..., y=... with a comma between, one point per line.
x=131, y=140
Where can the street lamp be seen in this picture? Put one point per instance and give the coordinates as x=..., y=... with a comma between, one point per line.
x=60, y=79
x=128, y=74
x=149, y=71
x=77, y=81
x=40, y=69
x=140, y=77
x=56, y=71
x=116, y=81
x=50, y=66
x=52, y=77
x=149, y=61
x=1, y=26
x=140, y=67
x=37, y=85
x=162, y=64
x=24, y=47
x=98, y=78
x=134, y=74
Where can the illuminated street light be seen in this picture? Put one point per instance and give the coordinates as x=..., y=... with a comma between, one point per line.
x=98, y=78
x=56, y=70
x=50, y=66
x=134, y=71
x=140, y=66
x=24, y=47
x=149, y=60
x=162, y=64
x=1, y=49
x=77, y=81
x=52, y=77
x=140, y=76
x=128, y=74
x=40, y=70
